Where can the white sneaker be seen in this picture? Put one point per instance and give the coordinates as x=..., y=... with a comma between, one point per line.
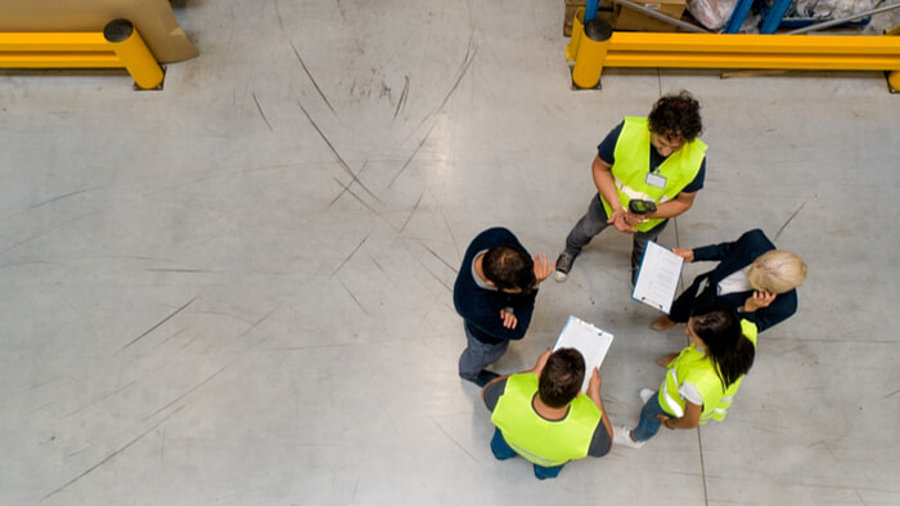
x=646, y=394
x=622, y=436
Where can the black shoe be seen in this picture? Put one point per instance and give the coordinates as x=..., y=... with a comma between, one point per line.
x=564, y=265
x=484, y=377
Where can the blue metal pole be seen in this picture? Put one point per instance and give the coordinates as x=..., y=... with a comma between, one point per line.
x=773, y=19
x=590, y=10
x=738, y=15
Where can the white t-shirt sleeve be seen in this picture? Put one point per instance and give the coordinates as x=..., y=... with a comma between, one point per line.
x=690, y=392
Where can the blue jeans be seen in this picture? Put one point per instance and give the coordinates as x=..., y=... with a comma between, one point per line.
x=594, y=221
x=502, y=451
x=478, y=355
x=649, y=424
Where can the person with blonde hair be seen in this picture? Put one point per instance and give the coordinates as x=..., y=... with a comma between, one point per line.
x=757, y=280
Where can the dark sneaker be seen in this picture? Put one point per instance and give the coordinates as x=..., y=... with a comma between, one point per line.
x=564, y=265
x=484, y=377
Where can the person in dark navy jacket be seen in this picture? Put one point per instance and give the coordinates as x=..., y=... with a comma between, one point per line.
x=753, y=277
x=494, y=293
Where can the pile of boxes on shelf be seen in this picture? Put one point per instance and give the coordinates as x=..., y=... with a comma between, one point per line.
x=623, y=18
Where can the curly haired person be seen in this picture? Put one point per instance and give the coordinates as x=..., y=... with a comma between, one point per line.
x=659, y=159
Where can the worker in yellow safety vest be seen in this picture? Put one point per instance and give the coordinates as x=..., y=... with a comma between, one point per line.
x=543, y=416
x=646, y=171
x=702, y=380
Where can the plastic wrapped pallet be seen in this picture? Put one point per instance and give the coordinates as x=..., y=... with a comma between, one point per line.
x=712, y=14
x=830, y=9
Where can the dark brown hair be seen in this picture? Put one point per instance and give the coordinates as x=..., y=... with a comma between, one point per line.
x=561, y=377
x=676, y=115
x=509, y=267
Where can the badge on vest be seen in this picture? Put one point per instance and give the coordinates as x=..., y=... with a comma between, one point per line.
x=657, y=180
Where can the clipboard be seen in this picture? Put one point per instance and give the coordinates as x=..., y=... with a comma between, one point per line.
x=658, y=277
x=592, y=342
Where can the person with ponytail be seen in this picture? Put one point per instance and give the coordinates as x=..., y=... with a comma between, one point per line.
x=702, y=380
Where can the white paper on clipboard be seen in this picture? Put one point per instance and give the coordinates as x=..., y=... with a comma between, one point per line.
x=592, y=342
x=658, y=277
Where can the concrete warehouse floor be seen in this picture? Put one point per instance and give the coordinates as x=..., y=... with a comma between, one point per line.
x=237, y=291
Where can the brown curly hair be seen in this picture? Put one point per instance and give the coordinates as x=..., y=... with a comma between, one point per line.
x=676, y=115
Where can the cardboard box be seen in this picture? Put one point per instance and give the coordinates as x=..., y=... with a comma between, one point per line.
x=630, y=19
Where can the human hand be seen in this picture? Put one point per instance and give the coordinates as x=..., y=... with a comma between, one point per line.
x=594, y=383
x=686, y=254
x=758, y=300
x=664, y=420
x=633, y=219
x=541, y=362
x=542, y=269
x=618, y=220
x=509, y=319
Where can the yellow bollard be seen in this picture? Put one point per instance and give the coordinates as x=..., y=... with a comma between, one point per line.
x=134, y=54
x=591, y=48
x=894, y=75
x=577, y=30
x=894, y=80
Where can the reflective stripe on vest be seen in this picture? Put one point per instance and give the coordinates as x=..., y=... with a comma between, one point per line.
x=543, y=442
x=632, y=162
x=694, y=367
x=667, y=400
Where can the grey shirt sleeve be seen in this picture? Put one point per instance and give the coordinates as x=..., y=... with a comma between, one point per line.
x=601, y=442
x=492, y=394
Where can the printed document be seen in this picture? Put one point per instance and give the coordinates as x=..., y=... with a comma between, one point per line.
x=658, y=278
x=593, y=343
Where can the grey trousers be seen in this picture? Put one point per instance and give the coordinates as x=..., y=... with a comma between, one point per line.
x=478, y=355
x=594, y=221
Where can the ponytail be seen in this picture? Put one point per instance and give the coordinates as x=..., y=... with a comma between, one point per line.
x=730, y=351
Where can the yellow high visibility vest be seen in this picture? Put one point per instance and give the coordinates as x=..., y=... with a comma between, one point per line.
x=696, y=368
x=632, y=163
x=544, y=442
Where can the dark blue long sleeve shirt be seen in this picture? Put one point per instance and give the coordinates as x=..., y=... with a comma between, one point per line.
x=734, y=256
x=480, y=308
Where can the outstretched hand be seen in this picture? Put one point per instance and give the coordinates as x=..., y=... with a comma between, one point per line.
x=686, y=254
x=542, y=269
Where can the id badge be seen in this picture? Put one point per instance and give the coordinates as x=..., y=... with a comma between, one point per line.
x=656, y=180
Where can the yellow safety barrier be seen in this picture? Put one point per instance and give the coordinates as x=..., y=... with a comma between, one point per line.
x=118, y=46
x=725, y=51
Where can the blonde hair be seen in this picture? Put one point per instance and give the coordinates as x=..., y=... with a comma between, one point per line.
x=777, y=271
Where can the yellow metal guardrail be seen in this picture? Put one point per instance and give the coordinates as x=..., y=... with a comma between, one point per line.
x=598, y=46
x=119, y=45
